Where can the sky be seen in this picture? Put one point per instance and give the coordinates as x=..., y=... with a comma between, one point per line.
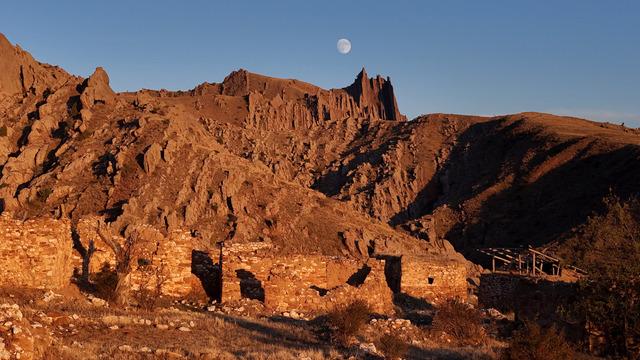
x=579, y=57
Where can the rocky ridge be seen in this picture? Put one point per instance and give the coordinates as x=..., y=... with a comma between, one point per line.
x=334, y=171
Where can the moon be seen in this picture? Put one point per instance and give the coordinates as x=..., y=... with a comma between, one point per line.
x=344, y=46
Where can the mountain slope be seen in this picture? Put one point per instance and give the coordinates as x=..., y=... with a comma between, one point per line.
x=312, y=170
x=188, y=159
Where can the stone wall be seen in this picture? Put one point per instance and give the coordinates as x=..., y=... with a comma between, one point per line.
x=433, y=278
x=167, y=259
x=170, y=263
x=35, y=253
x=304, y=282
x=40, y=253
x=526, y=296
x=102, y=258
x=373, y=289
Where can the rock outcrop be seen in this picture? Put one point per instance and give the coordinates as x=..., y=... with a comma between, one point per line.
x=375, y=97
x=21, y=74
x=97, y=90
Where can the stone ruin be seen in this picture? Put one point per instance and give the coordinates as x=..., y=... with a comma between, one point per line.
x=434, y=278
x=35, y=253
x=303, y=282
x=41, y=254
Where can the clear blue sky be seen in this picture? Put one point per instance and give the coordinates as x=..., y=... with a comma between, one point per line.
x=578, y=57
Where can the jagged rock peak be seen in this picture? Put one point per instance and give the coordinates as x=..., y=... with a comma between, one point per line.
x=12, y=64
x=377, y=95
x=236, y=83
x=21, y=74
x=99, y=78
x=4, y=42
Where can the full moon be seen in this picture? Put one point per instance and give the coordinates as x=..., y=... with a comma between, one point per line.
x=344, y=46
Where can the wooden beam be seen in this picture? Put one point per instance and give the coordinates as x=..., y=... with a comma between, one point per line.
x=544, y=256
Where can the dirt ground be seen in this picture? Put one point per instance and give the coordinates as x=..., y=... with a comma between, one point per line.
x=67, y=325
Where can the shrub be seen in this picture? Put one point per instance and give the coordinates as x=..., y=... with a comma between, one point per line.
x=608, y=247
x=460, y=321
x=43, y=194
x=151, y=280
x=392, y=346
x=534, y=342
x=346, y=321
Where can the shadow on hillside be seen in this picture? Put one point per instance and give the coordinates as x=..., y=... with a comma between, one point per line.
x=472, y=166
x=299, y=336
x=524, y=212
x=332, y=183
x=302, y=335
x=539, y=213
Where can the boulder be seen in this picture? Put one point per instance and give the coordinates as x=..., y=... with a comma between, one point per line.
x=97, y=90
x=152, y=157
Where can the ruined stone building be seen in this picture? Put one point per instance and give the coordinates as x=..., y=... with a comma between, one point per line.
x=41, y=254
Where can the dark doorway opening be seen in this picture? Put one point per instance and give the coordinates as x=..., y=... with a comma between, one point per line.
x=250, y=286
x=208, y=273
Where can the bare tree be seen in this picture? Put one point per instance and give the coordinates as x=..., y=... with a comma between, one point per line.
x=124, y=254
x=85, y=253
x=152, y=279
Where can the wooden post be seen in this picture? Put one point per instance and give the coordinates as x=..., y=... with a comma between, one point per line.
x=534, y=264
x=493, y=263
x=519, y=264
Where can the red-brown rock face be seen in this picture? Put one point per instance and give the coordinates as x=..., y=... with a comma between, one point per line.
x=21, y=74
x=292, y=104
x=375, y=97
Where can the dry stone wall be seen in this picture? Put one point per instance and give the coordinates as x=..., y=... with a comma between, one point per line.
x=35, y=253
x=170, y=264
x=373, y=290
x=165, y=259
x=40, y=254
x=526, y=296
x=433, y=279
x=304, y=282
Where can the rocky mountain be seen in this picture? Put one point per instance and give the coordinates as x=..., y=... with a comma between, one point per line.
x=336, y=171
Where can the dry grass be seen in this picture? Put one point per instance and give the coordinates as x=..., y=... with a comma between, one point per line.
x=346, y=321
x=212, y=336
x=393, y=347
